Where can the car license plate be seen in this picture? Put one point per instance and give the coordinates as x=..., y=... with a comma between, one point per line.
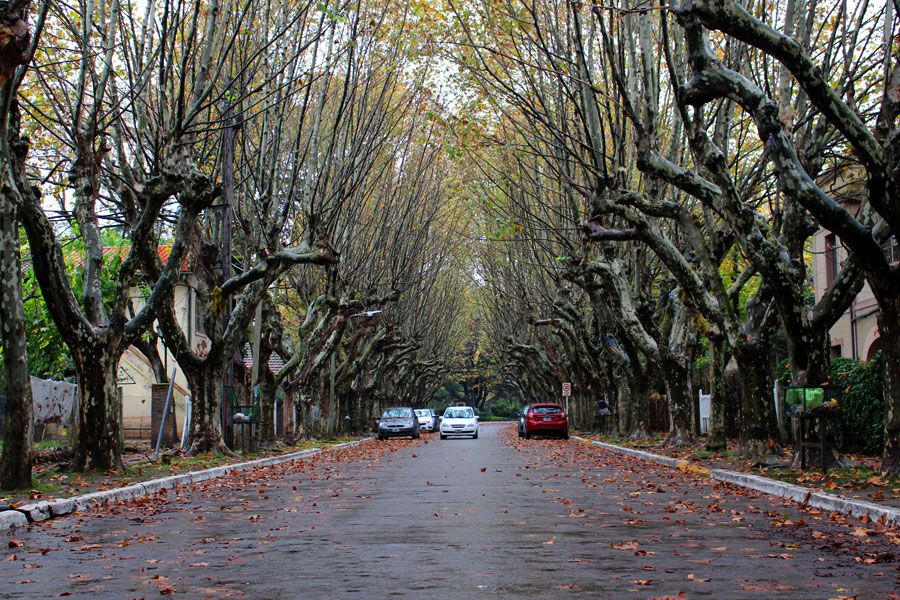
x=547, y=419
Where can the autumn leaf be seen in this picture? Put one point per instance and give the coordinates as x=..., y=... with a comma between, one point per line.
x=15, y=543
x=625, y=546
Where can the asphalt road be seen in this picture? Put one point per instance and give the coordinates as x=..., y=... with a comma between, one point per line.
x=496, y=517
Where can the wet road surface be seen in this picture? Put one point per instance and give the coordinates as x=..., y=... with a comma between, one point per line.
x=496, y=517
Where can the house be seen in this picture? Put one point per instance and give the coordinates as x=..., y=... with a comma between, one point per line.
x=138, y=385
x=855, y=335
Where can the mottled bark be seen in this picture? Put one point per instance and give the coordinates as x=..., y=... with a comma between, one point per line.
x=267, y=390
x=675, y=375
x=15, y=37
x=288, y=420
x=207, y=396
x=15, y=461
x=889, y=327
x=639, y=394
x=758, y=431
x=715, y=435
x=98, y=426
x=623, y=407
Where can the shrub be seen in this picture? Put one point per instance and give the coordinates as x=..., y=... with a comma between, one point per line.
x=504, y=408
x=861, y=424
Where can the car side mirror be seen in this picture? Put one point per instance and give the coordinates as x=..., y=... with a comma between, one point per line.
x=477, y=417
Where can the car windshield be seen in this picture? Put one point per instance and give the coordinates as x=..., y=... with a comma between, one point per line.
x=393, y=413
x=546, y=410
x=459, y=413
x=423, y=412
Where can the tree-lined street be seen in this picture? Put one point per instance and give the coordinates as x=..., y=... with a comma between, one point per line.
x=496, y=517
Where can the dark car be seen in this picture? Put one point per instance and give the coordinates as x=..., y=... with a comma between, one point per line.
x=545, y=419
x=398, y=421
x=522, y=414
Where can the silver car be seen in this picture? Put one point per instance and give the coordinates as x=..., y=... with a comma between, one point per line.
x=427, y=419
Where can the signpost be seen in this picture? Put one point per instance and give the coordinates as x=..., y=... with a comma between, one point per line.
x=566, y=392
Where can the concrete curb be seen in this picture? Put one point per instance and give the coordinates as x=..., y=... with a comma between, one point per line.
x=48, y=509
x=888, y=515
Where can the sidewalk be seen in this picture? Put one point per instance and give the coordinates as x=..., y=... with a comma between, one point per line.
x=711, y=467
x=41, y=509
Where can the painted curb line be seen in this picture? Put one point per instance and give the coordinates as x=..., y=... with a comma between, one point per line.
x=48, y=509
x=888, y=515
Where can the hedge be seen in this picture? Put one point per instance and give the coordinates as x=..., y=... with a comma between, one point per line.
x=861, y=421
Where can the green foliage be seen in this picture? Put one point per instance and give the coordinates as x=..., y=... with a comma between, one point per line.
x=861, y=424
x=504, y=408
x=48, y=355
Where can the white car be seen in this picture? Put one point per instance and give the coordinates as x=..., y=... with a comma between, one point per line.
x=459, y=420
x=427, y=420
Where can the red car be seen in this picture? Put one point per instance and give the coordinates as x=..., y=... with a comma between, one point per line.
x=545, y=419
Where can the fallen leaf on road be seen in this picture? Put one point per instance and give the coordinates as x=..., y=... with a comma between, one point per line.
x=625, y=546
x=16, y=543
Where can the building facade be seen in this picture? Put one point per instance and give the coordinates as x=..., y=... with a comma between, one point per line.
x=855, y=335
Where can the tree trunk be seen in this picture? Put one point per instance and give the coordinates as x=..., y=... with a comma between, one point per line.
x=288, y=420
x=810, y=359
x=15, y=462
x=715, y=433
x=676, y=376
x=757, y=417
x=207, y=394
x=98, y=444
x=639, y=391
x=266, y=404
x=624, y=403
x=889, y=328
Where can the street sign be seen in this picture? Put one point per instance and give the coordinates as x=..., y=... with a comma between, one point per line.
x=567, y=390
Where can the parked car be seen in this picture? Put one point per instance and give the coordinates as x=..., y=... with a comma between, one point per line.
x=398, y=421
x=545, y=419
x=522, y=414
x=459, y=420
x=428, y=421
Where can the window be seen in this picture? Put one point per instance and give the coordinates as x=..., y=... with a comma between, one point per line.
x=547, y=410
x=891, y=250
x=459, y=413
x=393, y=413
x=831, y=259
x=198, y=314
x=836, y=351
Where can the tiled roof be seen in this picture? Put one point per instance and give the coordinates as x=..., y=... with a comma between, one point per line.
x=275, y=360
x=122, y=252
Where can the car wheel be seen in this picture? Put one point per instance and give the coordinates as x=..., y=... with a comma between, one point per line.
x=475, y=437
x=380, y=437
x=527, y=435
x=443, y=437
x=565, y=436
